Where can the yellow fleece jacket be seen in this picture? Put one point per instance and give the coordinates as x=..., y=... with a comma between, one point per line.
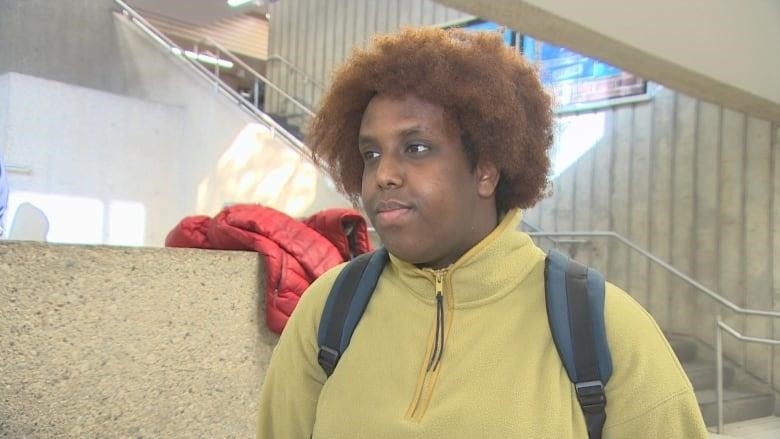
x=499, y=375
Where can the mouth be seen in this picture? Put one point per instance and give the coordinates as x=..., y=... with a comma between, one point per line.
x=391, y=211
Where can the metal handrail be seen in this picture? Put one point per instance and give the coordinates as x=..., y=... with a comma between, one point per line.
x=292, y=67
x=720, y=327
x=257, y=75
x=556, y=242
x=713, y=295
x=177, y=51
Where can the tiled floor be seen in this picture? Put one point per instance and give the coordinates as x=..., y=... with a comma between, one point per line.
x=761, y=428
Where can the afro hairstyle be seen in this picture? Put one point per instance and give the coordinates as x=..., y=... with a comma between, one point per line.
x=493, y=94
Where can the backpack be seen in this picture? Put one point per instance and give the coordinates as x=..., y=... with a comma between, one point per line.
x=575, y=310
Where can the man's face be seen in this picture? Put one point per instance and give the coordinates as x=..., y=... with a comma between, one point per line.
x=419, y=190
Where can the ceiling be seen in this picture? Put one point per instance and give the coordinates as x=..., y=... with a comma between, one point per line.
x=199, y=12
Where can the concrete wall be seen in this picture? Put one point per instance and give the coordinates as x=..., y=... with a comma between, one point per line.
x=126, y=342
x=106, y=168
x=696, y=185
x=89, y=163
x=72, y=41
x=208, y=155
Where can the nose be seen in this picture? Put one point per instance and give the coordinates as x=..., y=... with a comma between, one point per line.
x=389, y=172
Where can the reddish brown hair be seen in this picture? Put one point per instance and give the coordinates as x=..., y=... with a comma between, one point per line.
x=494, y=95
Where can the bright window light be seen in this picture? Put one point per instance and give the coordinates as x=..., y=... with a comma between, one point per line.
x=237, y=3
x=73, y=220
x=208, y=59
x=575, y=135
x=126, y=223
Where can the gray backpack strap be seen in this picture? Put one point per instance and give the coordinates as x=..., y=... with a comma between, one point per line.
x=345, y=305
x=575, y=310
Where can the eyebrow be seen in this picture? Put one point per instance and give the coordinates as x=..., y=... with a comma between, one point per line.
x=410, y=131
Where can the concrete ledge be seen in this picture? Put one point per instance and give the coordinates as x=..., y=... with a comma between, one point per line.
x=130, y=342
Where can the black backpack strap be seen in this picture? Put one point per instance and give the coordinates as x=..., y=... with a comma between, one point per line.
x=575, y=310
x=346, y=302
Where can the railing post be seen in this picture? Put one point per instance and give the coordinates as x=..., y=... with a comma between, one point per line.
x=256, y=93
x=719, y=373
x=769, y=364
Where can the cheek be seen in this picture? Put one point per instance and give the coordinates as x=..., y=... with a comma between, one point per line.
x=365, y=185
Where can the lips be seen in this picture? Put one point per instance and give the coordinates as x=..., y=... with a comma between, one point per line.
x=391, y=211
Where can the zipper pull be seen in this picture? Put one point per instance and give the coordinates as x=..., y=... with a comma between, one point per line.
x=438, y=347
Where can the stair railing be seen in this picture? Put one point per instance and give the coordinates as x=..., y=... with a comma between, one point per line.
x=257, y=76
x=722, y=301
x=557, y=242
x=316, y=86
x=721, y=327
x=220, y=85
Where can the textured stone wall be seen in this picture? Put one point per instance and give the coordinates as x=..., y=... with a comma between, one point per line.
x=130, y=342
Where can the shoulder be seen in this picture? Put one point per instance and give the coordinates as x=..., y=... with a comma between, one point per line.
x=631, y=330
x=646, y=372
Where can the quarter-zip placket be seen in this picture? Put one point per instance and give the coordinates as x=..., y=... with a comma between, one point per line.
x=425, y=388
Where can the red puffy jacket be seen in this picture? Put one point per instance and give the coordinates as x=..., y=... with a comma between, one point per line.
x=295, y=252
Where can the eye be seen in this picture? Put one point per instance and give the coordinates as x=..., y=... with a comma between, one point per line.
x=417, y=148
x=369, y=154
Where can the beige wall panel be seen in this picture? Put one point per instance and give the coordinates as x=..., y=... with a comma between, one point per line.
x=532, y=216
x=732, y=281
x=361, y=26
x=547, y=208
x=332, y=21
x=272, y=69
x=775, y=230
x=620, y=181
x=758, y=246
x=416, y=12
x=308, y=39
x=758, y=220
x=405, y=12
x=316, y=51
x=600, y=199
x=383, y=20
x=350, y=26
x=582, y=203
x=639, y=197
x=428, y=11
x=564, y=200
x=296, y=56
x=706, y=239
x=660, y=198
x=317, y=35
x=683, y=168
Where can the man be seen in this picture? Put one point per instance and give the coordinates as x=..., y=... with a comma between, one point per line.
x=444, y=136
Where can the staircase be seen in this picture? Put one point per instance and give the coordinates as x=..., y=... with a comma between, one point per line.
x=304, y=90
x=744, y=397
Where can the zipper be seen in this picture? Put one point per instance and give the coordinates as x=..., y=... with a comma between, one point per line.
x=438, y=347
x=431, y=372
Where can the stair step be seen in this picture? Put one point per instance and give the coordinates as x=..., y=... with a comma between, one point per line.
x=684, y=347
x=761, y=428
x=738, y=405
x=703, y=374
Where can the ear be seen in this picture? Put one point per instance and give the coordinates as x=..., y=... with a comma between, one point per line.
x=487, y=179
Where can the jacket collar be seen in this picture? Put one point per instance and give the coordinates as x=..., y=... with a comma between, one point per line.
x=504, y=256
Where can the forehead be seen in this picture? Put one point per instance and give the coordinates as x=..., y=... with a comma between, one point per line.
x=385, y=112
